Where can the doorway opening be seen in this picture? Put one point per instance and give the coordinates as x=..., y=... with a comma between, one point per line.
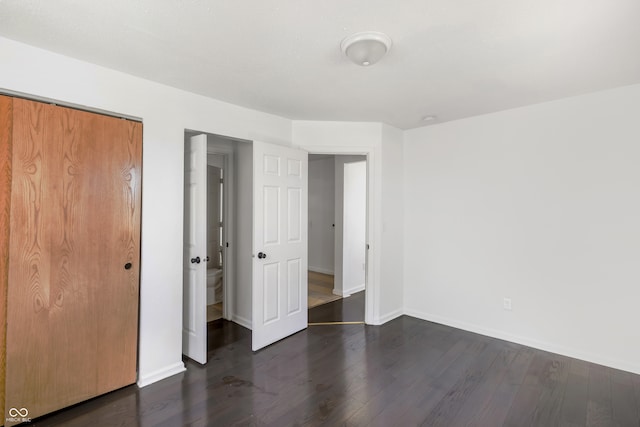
x=268, y=186
x=337, y=237
x=211, y=241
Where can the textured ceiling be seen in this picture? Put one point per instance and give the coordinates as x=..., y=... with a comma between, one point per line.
x=452, y=59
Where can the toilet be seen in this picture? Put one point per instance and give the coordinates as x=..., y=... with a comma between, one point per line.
x=214, y=281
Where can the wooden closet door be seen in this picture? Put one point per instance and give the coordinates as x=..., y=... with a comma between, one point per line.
x=6, y=121
x=74, y=256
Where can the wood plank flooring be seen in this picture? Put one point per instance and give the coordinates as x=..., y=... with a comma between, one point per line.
x=214, y=312
x=407, y=372
x=320, y=289
x=350, y=309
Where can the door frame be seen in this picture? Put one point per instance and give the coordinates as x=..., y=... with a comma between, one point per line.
x=372, y=286
x=227, y=229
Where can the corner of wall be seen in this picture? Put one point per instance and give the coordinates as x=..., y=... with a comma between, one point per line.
x=392, y=244
x=545, y=216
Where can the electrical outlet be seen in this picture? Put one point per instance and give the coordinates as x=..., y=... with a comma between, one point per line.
x=506, y=304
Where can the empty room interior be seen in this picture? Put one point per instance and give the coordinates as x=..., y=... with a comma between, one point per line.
x=320, y=213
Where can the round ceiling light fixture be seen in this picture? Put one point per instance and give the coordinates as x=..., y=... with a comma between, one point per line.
x=366, y=48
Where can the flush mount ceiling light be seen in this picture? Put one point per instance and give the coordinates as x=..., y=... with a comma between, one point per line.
x=366, y=48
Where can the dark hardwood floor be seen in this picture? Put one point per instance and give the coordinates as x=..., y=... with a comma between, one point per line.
x=350, y=309
x=407, y=372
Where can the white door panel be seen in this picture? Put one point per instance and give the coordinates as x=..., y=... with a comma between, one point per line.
x=294, y=286
x=280, y=243
x=194, y=323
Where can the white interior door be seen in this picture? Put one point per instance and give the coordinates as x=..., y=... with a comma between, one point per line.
x=280, y=178
x=194, y=321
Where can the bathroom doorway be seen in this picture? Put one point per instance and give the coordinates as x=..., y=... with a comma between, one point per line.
x=220, y=222
x=209, y=287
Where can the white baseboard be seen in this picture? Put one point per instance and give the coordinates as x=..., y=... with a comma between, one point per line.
x=388, y=317
x=354, y=290
x=347, y=293
x=540, y=345
x=161, y=374
x=320, y=270
x=241, y=321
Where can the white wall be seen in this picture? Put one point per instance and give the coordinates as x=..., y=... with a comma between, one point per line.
x=215, y=170
x=321, y=214
x=213, y=214
x=392, y=223
x=537, y=204
x=354, y=227
x=340, y=161
x=222, y=152
x=216, y=160
x=166, y=113
x=243, y=171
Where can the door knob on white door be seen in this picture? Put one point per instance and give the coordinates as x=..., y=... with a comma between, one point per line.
x=262, y=255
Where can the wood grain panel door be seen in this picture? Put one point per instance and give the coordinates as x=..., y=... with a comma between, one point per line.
x=6, y=133
x=74, y=256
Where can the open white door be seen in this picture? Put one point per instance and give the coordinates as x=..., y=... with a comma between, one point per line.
x=280, y=178
x=194, y=311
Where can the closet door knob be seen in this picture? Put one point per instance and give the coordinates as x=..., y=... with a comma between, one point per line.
x=262, y=255
x=206, y=259
x=195, y=260
x=127, y=266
